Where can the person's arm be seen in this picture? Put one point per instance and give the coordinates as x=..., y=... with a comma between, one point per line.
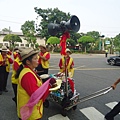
x=60, y=64
x=10, y=59
x=29, y=83
x=72, y=65
x=115, y=83
x=15, y=66
x=47, y=57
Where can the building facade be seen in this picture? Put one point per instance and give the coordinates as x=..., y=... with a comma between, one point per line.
x=19, y=44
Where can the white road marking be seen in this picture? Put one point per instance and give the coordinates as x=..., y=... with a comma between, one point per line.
x=111, y=104
x=58, y=117
x=92, y=114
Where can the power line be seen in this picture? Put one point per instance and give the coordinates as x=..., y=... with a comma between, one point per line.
x=10, y=21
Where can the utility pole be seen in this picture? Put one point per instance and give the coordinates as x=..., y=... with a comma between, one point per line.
x=9, y=30
x=101, y=43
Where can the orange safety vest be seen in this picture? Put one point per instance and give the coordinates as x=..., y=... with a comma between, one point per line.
x=13, y=79
x=70, y=70
x=23, y=97
x=7, y=62
x=45, y=64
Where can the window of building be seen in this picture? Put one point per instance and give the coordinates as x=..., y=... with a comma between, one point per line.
x=22, y=45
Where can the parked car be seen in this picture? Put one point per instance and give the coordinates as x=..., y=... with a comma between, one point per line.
x=114, y=60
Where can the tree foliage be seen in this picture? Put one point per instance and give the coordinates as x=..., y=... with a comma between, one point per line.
x=28, y=29
x=52, y=16
x=117, y=42
x=93, y=34
x=84, y=40
x=53, y=40
x=6, y=30
x=11, y=38
x=71, y=42
x=52, y=43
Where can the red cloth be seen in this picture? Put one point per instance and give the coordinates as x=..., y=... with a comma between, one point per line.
x=63, y=42
x=47, y=57
x=71, y=84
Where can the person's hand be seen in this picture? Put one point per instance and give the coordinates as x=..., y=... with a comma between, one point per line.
x=113, y=86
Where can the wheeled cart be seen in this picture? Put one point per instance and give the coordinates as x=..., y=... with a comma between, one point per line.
x=70, y=98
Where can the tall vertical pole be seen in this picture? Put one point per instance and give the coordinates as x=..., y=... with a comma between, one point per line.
x=66, y=74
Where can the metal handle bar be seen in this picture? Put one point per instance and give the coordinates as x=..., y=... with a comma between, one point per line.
x=96, y=94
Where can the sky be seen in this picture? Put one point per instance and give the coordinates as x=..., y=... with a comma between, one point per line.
x=94, y=15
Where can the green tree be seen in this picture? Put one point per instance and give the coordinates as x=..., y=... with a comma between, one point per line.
x=6, y=30
x=94, y=34
x=49, y=16
x=12, y=39
x=116, y=43
x=71, y=42
x=85, y=40
x=28, y=29
x=52, y=42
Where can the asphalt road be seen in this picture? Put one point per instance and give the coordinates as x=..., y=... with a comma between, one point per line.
x=92, y=73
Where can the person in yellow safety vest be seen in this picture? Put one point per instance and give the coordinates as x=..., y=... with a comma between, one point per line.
x=106, y=53
x=44, y=57
x=17, y=62
x=15, y=52
x=69, y=63
x=5, y=61
x=28, y=84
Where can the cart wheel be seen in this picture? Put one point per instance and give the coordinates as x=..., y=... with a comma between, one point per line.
x=74, y=107
x=46, y=104
x=64, y=112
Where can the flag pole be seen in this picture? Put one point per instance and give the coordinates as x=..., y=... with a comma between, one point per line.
x=66, y=75
x=63, y=52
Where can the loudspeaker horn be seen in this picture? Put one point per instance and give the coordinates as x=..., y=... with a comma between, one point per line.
x=72, y=25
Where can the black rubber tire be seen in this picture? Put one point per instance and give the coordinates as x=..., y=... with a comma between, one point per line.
x=112, y=62
x=64, y=112
x=74, y=107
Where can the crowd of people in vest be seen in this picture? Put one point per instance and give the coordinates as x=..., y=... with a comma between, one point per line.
x=27, y=66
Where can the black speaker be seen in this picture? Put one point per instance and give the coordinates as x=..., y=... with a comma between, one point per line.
x=72, y=25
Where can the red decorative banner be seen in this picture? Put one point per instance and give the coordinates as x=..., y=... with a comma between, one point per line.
x=64, y=37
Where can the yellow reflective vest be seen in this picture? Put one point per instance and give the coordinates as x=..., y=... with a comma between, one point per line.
x=13, y=79
x=45, y=64
x=7, y=62
x=23, y=97
x=70, y=70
